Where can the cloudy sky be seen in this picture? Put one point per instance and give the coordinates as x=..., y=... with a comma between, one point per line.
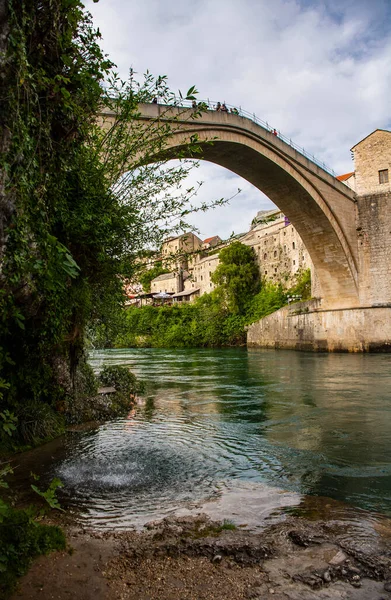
x=319, y=71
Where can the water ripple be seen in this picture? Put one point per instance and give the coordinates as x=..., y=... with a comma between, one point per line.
x=218, y=420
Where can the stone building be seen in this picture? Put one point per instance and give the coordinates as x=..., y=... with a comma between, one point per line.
x=278, y=247
x=175, y=250
x=201, y=267
x=168, y=282
x=348, y=179
x=372, y=163
x=211, y=242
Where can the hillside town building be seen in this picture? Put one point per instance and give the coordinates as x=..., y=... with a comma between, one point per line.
x=279, y=251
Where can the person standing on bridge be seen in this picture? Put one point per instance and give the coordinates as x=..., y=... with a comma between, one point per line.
x=218, y=106
x=224, y=108
x=274, y=132
x=154, y=101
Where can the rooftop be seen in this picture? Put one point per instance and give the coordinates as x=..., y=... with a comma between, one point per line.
x=164, y=276
x=186, y=293
x=344, y=177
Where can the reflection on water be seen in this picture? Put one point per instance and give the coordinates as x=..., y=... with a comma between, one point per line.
x=225, y=424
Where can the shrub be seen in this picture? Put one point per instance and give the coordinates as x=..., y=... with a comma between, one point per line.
x=121, y=379
x=21, y=540
x=38, y=422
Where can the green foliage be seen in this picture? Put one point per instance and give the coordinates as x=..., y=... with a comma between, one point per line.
x=270, y=298
x=21, y=540
x=38, y=422
x=146, y=277
x=9, y=422
x=5, y=469
x=50, y=495
x=204, y=323
x=211, y=320
x=302, y=285
x=203, y=530
x=237, y=275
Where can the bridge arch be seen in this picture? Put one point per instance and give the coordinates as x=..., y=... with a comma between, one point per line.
x=321, y=209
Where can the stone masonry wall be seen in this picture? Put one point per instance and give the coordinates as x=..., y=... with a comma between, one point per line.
x=305, y=326
x=201, y=269
x=279, y=250
x=372, y=155
x=374, y=244
x=168, y=282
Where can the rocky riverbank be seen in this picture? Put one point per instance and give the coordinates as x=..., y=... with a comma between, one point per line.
x=194, y=558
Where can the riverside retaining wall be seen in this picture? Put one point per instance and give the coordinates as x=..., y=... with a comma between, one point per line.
x=305, y=326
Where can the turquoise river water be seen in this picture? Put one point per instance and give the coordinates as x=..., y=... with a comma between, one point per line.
x=241, y=434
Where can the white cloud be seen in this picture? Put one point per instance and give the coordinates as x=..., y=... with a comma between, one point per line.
x=318, y=71
x=234, y=217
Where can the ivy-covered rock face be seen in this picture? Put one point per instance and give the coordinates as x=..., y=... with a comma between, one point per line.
x=71, y=223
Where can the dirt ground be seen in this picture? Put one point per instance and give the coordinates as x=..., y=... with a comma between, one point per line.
x=191, y=558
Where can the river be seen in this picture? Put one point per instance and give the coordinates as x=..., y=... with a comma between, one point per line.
x=242, y=434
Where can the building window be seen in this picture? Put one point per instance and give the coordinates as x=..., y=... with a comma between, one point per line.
x=284, y=232
x=284, y=247
x=210, y=273
x=275, y=269
x=265, y=272
x=275, y=253
x=265, y=256
x=383, y=176
x=293, y=245
x=201, y=278
x=210, y=284
x=294, y=262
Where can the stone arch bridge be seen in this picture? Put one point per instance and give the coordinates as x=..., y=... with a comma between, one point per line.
x=323, y=210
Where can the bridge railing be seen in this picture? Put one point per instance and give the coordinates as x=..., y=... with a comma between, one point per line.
x=211, y=105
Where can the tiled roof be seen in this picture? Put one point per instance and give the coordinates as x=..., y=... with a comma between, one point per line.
x=186, y=293
x=164, y=276
x=344, y=177
x=210, y=239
